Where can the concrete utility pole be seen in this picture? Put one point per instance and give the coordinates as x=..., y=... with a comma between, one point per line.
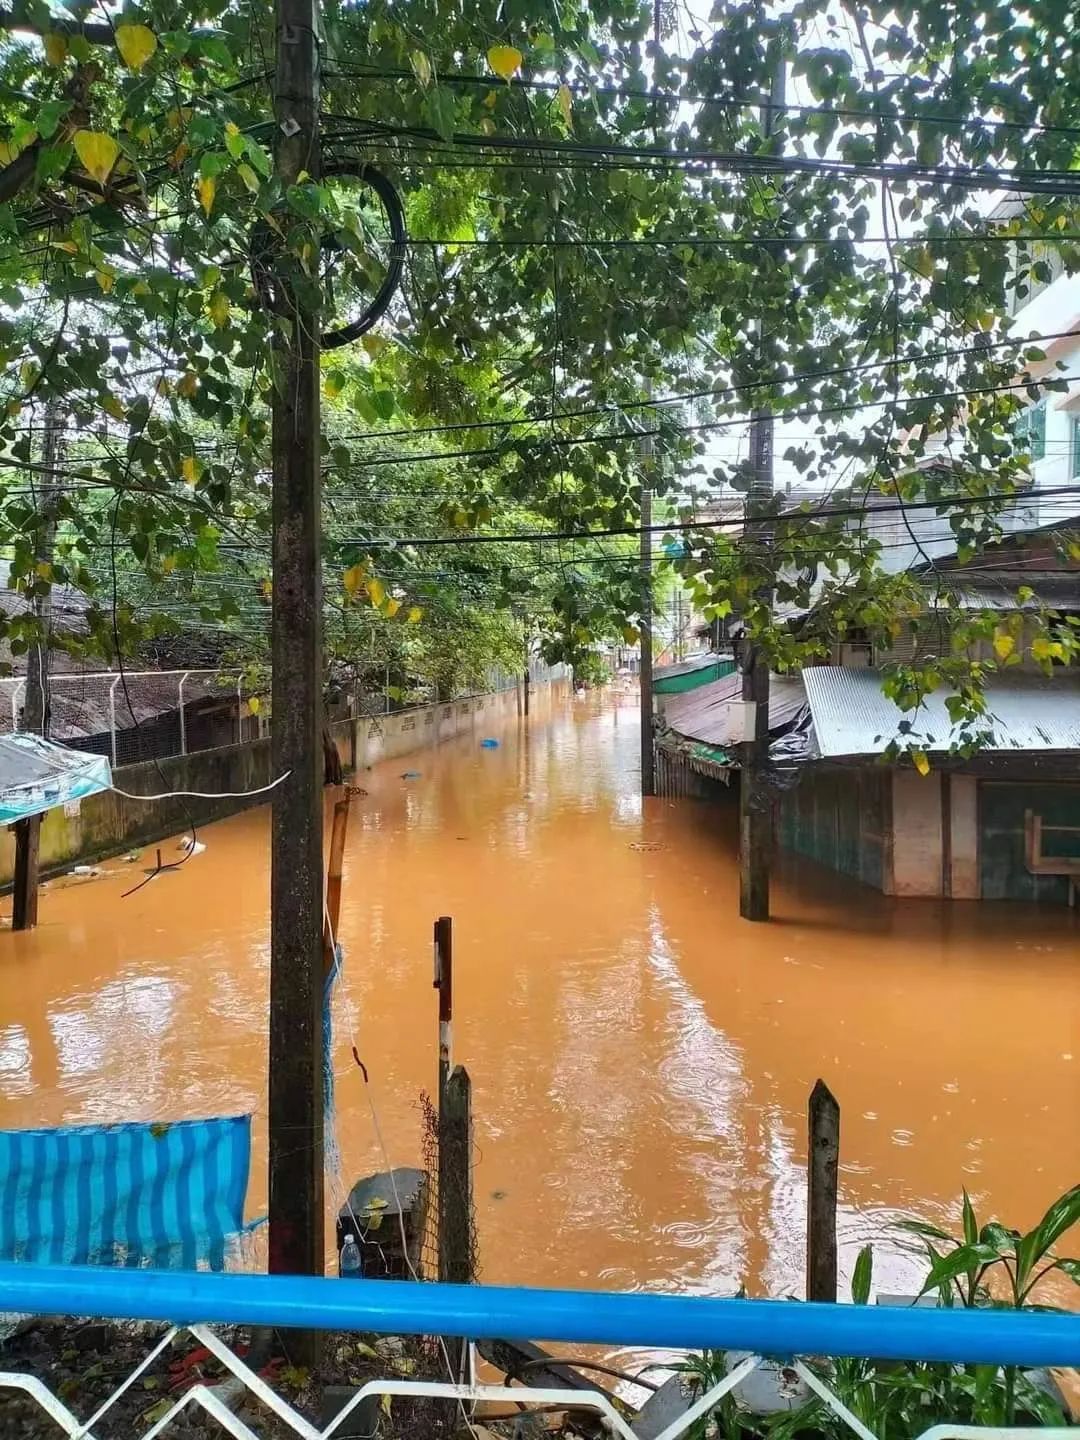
x=755, y=802
x=35, y=720
x=296, y=1243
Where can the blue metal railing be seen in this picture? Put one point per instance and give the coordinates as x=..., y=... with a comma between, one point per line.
x=676, y=1322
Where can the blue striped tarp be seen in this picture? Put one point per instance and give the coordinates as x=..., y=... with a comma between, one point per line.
x=164, y=1195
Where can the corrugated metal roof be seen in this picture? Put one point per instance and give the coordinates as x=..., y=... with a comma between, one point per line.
x=710, y=713
x=700, y=661
x=853, y=717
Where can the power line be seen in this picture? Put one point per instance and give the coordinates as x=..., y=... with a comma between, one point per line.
x=1057, y=182
x=566, y=442
x=765, y=242
x=733, y=100
x=685, y=397
x=823, y=512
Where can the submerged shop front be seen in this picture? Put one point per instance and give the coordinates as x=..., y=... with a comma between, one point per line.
x=1002, y=824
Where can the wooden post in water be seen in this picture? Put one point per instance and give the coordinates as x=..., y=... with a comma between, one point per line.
x=25, y=895
x=822, y=1165
x=444, y=984
x=455, y=1180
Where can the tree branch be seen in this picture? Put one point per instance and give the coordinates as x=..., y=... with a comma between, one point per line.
x=18, y=17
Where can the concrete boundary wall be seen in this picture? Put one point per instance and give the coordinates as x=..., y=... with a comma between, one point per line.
x=105, y=825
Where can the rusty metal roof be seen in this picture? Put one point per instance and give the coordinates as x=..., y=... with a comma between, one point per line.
x=711, y=714
x=1026, y=712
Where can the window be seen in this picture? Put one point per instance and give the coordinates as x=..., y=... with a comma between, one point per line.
x=1029, y=430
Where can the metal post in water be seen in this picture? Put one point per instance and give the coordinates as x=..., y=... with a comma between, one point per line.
x=444, y=984
x=183, y=721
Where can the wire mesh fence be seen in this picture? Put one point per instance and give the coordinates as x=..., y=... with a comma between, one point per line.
x=136, y=715
x=140, y=715
x=449, y=1192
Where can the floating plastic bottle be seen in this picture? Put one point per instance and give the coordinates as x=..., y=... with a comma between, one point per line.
x=349, y=1259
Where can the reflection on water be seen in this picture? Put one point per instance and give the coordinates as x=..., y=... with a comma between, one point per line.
x=641, y=1058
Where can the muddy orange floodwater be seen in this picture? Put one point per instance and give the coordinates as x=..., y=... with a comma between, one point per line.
x=641, y=1058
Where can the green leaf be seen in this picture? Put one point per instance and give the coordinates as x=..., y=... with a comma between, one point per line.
x=440, y=111
x=957, y=1263
x=49, y=117
x=1062, y=1216
x=235, y=143
x=421, y=67
x=862, y=1276
x=971, y=1225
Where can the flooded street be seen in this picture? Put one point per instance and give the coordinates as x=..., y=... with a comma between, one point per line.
x=640, y=1057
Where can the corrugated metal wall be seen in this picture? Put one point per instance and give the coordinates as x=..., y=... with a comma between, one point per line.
x=841, y=818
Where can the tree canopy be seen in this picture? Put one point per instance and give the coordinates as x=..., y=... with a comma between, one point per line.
x=620, y=240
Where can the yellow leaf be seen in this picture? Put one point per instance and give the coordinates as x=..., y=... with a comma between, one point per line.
x=248, y=176
x=385, y=1402
x=179, y=155
x=187, y=385
x=1003, y=644
x=190, y=469
x=253, y=704
x=168, y=564
x=68, y=246
x=566, y=105
x=1074, y=549
x=106, y=280
x=267, y=588
x=207, y=191
x=921, y=763
x=505, y=60
x=114, y=406
x=391, y=606
x=334, y=383
x=421, y=67
x=218, y=309
x=13, y=408
x=56, y=48
x=376, y=591
x=415, y=615
x=136, y=44
x=43, y=570
x=97, y=153
x=489, y=100
x=352, y=579
x=631, y=634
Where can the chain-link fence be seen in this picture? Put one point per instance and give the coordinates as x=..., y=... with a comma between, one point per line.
x=457, y=1174
x=142, y=714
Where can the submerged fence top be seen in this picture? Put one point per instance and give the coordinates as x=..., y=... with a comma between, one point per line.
x=763, y=1327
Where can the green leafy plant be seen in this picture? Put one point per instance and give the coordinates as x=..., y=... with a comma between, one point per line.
x=964, y=1272
x=901, y=1401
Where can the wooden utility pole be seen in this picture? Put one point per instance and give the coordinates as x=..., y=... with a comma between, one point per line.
x=35, y=719
x=648, y=764
x=755, y=801
x=296, y=1243
x=822, y=1169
